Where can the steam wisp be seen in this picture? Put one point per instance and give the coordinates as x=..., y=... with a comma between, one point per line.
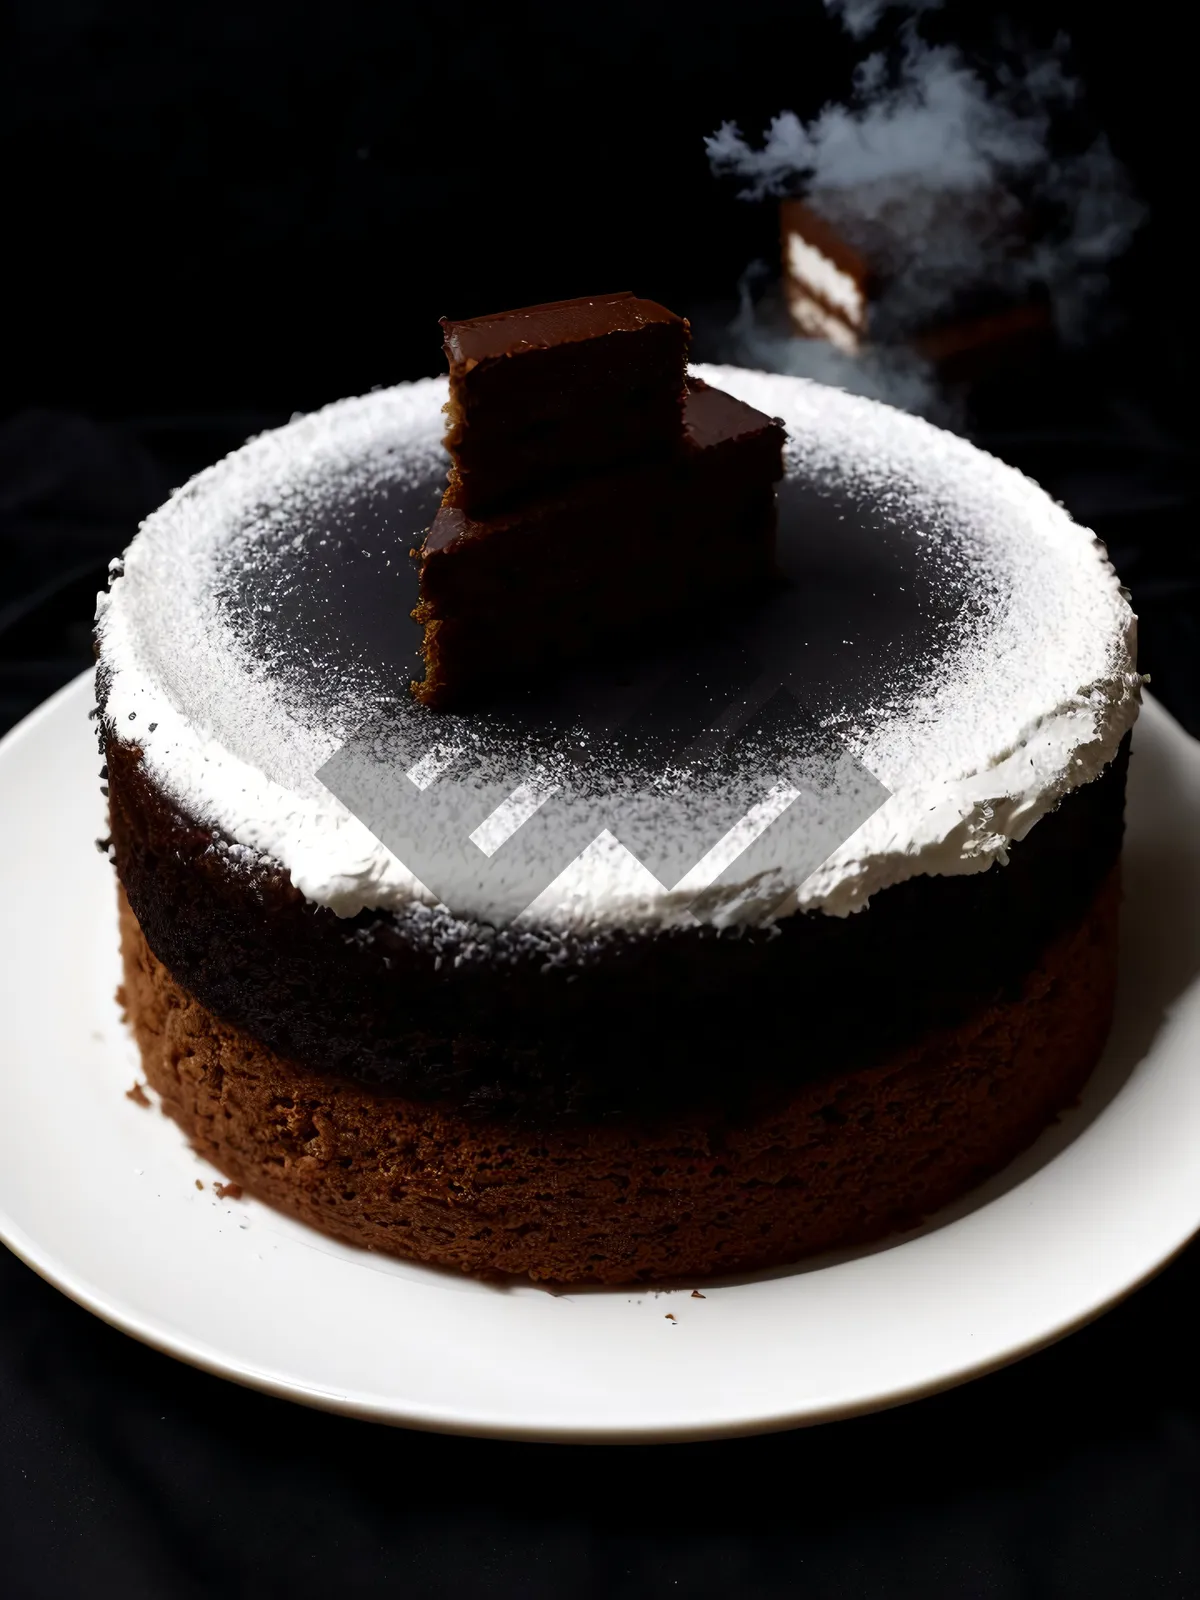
x=950, y=185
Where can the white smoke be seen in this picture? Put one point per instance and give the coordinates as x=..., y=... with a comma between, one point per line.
x=860, y=17
x=880, y=371
x=946, y=182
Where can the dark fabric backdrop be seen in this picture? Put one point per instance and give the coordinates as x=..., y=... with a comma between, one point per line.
x=220, y=214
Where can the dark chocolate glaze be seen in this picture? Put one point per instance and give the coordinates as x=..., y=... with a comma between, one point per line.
x=505, y=333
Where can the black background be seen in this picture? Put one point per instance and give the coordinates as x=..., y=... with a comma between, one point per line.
x=219, y=214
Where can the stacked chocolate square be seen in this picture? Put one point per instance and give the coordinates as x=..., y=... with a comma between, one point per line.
x=594, y=490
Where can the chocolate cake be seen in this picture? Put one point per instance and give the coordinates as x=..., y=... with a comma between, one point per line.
x=554, y=391
x=611, y=553
x=769, y=935
x=592, y=492
x=834, y=277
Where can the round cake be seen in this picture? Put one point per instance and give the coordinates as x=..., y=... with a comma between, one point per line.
x=768, y=935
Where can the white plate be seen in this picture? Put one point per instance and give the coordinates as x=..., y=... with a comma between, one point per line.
x=99, y=1195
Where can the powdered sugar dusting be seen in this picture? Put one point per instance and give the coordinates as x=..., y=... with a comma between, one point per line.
x=1031, y=700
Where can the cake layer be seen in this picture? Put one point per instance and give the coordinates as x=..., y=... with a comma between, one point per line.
x=526, y=1025
x=554, y=391
x=832, y=1164
x=822, y=270
x=542, y=583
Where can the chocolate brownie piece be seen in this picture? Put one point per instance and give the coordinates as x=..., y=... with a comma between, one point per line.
x=545, y=582
x=551, y=391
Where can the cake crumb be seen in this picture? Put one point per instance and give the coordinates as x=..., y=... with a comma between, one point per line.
x=671, y=1317
x=228, y=1191
x=138, y=1095
x=199, y=1185
x=696, y=1295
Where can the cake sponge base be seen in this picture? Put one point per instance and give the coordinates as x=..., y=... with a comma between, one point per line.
x=840, y=1162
